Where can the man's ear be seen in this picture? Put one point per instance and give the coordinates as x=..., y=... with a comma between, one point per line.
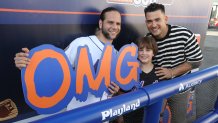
x=166, y=18
x=100, y=24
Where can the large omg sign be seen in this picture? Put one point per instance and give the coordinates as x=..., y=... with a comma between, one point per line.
x=49, y=82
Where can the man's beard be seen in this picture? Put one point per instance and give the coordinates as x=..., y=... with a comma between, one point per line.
x=107, y=35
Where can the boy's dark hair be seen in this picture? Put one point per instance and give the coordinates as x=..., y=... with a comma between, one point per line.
x=148, y=42
x=108, y=9
x=154, y=7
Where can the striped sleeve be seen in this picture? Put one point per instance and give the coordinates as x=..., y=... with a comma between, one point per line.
x=192, y=49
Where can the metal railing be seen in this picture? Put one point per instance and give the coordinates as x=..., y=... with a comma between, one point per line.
x=150, y=96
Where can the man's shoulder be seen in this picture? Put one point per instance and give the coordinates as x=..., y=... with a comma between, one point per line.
x=181, y=29
x=173, y=27
x=79, y=39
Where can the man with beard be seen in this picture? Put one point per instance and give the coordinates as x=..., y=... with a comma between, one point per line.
x=109, y=27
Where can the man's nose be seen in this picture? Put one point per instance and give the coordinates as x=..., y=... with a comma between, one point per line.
x=115, y=26
x=154, y=24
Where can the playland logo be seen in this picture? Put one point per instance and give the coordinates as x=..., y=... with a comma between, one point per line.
x=117, y=112
x=141, y=2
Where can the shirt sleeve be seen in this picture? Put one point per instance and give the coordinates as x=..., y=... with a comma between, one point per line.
x=71, y=50
x=193, y=52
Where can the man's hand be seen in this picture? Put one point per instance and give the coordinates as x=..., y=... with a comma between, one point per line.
x=21, y=59
x=164, y=73
x=113, y=88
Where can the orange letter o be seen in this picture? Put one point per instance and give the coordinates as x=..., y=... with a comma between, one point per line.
x=46, y=102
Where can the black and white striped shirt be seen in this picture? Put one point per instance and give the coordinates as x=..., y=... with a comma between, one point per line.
x=178, y=46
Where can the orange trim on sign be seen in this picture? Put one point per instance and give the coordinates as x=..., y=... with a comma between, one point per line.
x=81, y=13
x=133, y=65
x=47, y=11
x=84, y=69
x=46, y=102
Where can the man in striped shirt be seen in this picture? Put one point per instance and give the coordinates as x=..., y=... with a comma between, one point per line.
x=178, y=53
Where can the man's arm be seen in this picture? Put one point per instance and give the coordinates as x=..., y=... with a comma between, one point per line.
x=193, y=56
x=166, y=73
x=184, y=68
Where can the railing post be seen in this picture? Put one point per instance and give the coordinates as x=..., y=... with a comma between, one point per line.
x=152, y=112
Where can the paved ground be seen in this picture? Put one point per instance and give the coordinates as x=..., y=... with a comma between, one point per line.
x=210, y=49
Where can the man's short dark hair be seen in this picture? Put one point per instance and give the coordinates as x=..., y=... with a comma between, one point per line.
x=108, y=9
x=154, y=7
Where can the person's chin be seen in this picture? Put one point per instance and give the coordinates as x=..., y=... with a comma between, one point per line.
x=112, y=37
x=154, y=33
x=144, y=61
